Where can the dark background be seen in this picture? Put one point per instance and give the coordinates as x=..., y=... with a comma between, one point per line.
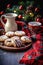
x=3, y=3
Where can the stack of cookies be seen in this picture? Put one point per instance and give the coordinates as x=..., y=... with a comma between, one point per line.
x=15, y=39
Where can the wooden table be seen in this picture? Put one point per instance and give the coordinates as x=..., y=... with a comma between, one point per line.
x=10, y=58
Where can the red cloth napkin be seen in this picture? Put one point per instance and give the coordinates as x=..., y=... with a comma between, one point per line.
x=29, y=57
x=34, y=53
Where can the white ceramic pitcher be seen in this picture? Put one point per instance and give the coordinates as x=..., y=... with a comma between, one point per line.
x=11, y=23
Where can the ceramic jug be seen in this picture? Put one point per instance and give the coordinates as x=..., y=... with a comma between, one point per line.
x=11, y=23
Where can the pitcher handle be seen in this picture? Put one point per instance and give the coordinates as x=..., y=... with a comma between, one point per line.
x=2, y=20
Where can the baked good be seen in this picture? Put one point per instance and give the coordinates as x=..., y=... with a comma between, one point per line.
x=19, y=33
x=15, y=37
x=9, y=42
x=3, y=38
x=18, y=43
x=10, y=34
x=13, y=43
x=25, y=39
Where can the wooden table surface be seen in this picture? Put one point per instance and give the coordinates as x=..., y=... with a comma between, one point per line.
x=10, y=58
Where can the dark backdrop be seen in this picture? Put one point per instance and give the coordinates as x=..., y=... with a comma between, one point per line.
x=3, y=3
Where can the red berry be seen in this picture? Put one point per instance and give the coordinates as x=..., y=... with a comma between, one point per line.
x=20, y=16
x=8, y=6
x=36, y=9
x=21, y=7
x=38, y=19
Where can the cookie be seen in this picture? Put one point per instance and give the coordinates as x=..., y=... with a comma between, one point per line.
x=3, y=38
x=10, y=34
x=15, y=38
x=18, y=43
x=9, y=43
x=25, y=39
x=19, y=33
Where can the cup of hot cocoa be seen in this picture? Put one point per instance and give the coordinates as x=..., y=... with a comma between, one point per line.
x=34, y=26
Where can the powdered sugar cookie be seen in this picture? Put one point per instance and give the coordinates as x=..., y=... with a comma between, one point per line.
x=25, y=39
x=10, y=34
x=3, y=38
x=15, y=38
x=19, y=33
x=9, y=42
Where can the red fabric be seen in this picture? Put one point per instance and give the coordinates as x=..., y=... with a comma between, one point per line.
x=20, y=23
x=31, y=55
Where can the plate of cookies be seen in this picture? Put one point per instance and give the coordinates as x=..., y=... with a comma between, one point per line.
x=15, y=41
